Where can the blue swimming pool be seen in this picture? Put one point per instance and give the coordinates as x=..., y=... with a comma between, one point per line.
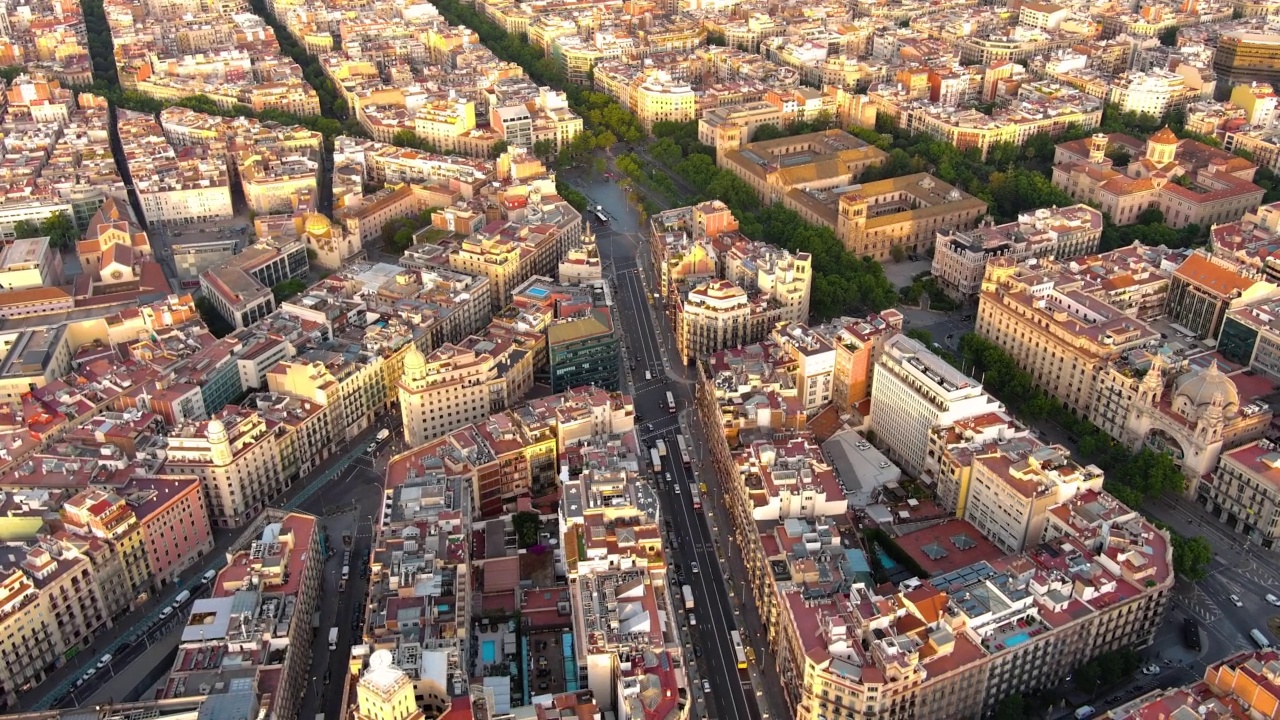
x=488, y=651
x=537, y=292
x=1016, y=640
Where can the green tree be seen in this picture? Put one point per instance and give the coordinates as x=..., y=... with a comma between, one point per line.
x=26, y=229
x=767, y=131
x=1169, y=37
x=406, y=138
x=1191, y=557
x=60, y=229
x=287, y=289
x=544, y=148
x=1013, y=707
x=498, y=148
x=527, y=524
x=898, y=253
x=922, y=335
x=402, y=239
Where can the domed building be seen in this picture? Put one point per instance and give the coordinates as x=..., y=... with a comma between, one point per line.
x=1193, y=418
x=332, y=245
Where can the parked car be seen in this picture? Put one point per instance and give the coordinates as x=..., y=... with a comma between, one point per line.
x=209, y=576
x=104, y=661
x=1152, y=669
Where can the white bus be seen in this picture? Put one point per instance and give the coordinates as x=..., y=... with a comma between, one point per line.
x=684, y=450
x=671, y=403
x=738, y=651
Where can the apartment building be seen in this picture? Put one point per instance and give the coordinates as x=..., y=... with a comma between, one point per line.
x=174, y=517
x=261, y=603
x=815, y=361
x=960, y=258
x=914, y=391
x=53, y=606
x=424, y=494
x=857, y=343
x=1244, y=492
x=444, y=391
x=1013, y=483
x=1037, y=110
x=720, y=314
x=1061, y=336
x=120, y=556
x=1154, y=92
x=174, y=190
x=237, y=460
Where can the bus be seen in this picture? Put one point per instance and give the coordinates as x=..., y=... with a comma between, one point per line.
x=601, y=217
x=695, y=496
x=671, y=403
x=738, y=651
x=684, y=450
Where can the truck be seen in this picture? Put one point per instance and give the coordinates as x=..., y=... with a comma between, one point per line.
x=662, y=447
x=383, y=434
x=333, y=638
x=688, y=598
x=657, y=460
x=1259, y=639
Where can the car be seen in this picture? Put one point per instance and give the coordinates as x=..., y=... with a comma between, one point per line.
x=166, y=612
x=883, y=464
x=327, y=676
x=697, y=651
x=373, y=447
x=1235, y=600
x=677, y=487
x=1273, y=599
x=693, y=620
x=694, y=566
x=649, y=426
x=706, y=685
x=668, y=477
x=209, y=576
x=104, y=661
x=88, y=674
x=1152, y=669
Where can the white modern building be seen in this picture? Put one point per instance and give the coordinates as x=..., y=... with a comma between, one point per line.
x=914, y=391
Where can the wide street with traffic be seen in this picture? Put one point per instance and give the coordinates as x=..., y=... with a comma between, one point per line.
x=695, y=538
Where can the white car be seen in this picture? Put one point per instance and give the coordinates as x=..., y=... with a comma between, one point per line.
x=706, y=685
x=1235, y=600
x=1273, y=599
x=209, y=576
x=166, y=612
x=1152, y=669
x=693, y=620
x=105, y=661
x=693, y=566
